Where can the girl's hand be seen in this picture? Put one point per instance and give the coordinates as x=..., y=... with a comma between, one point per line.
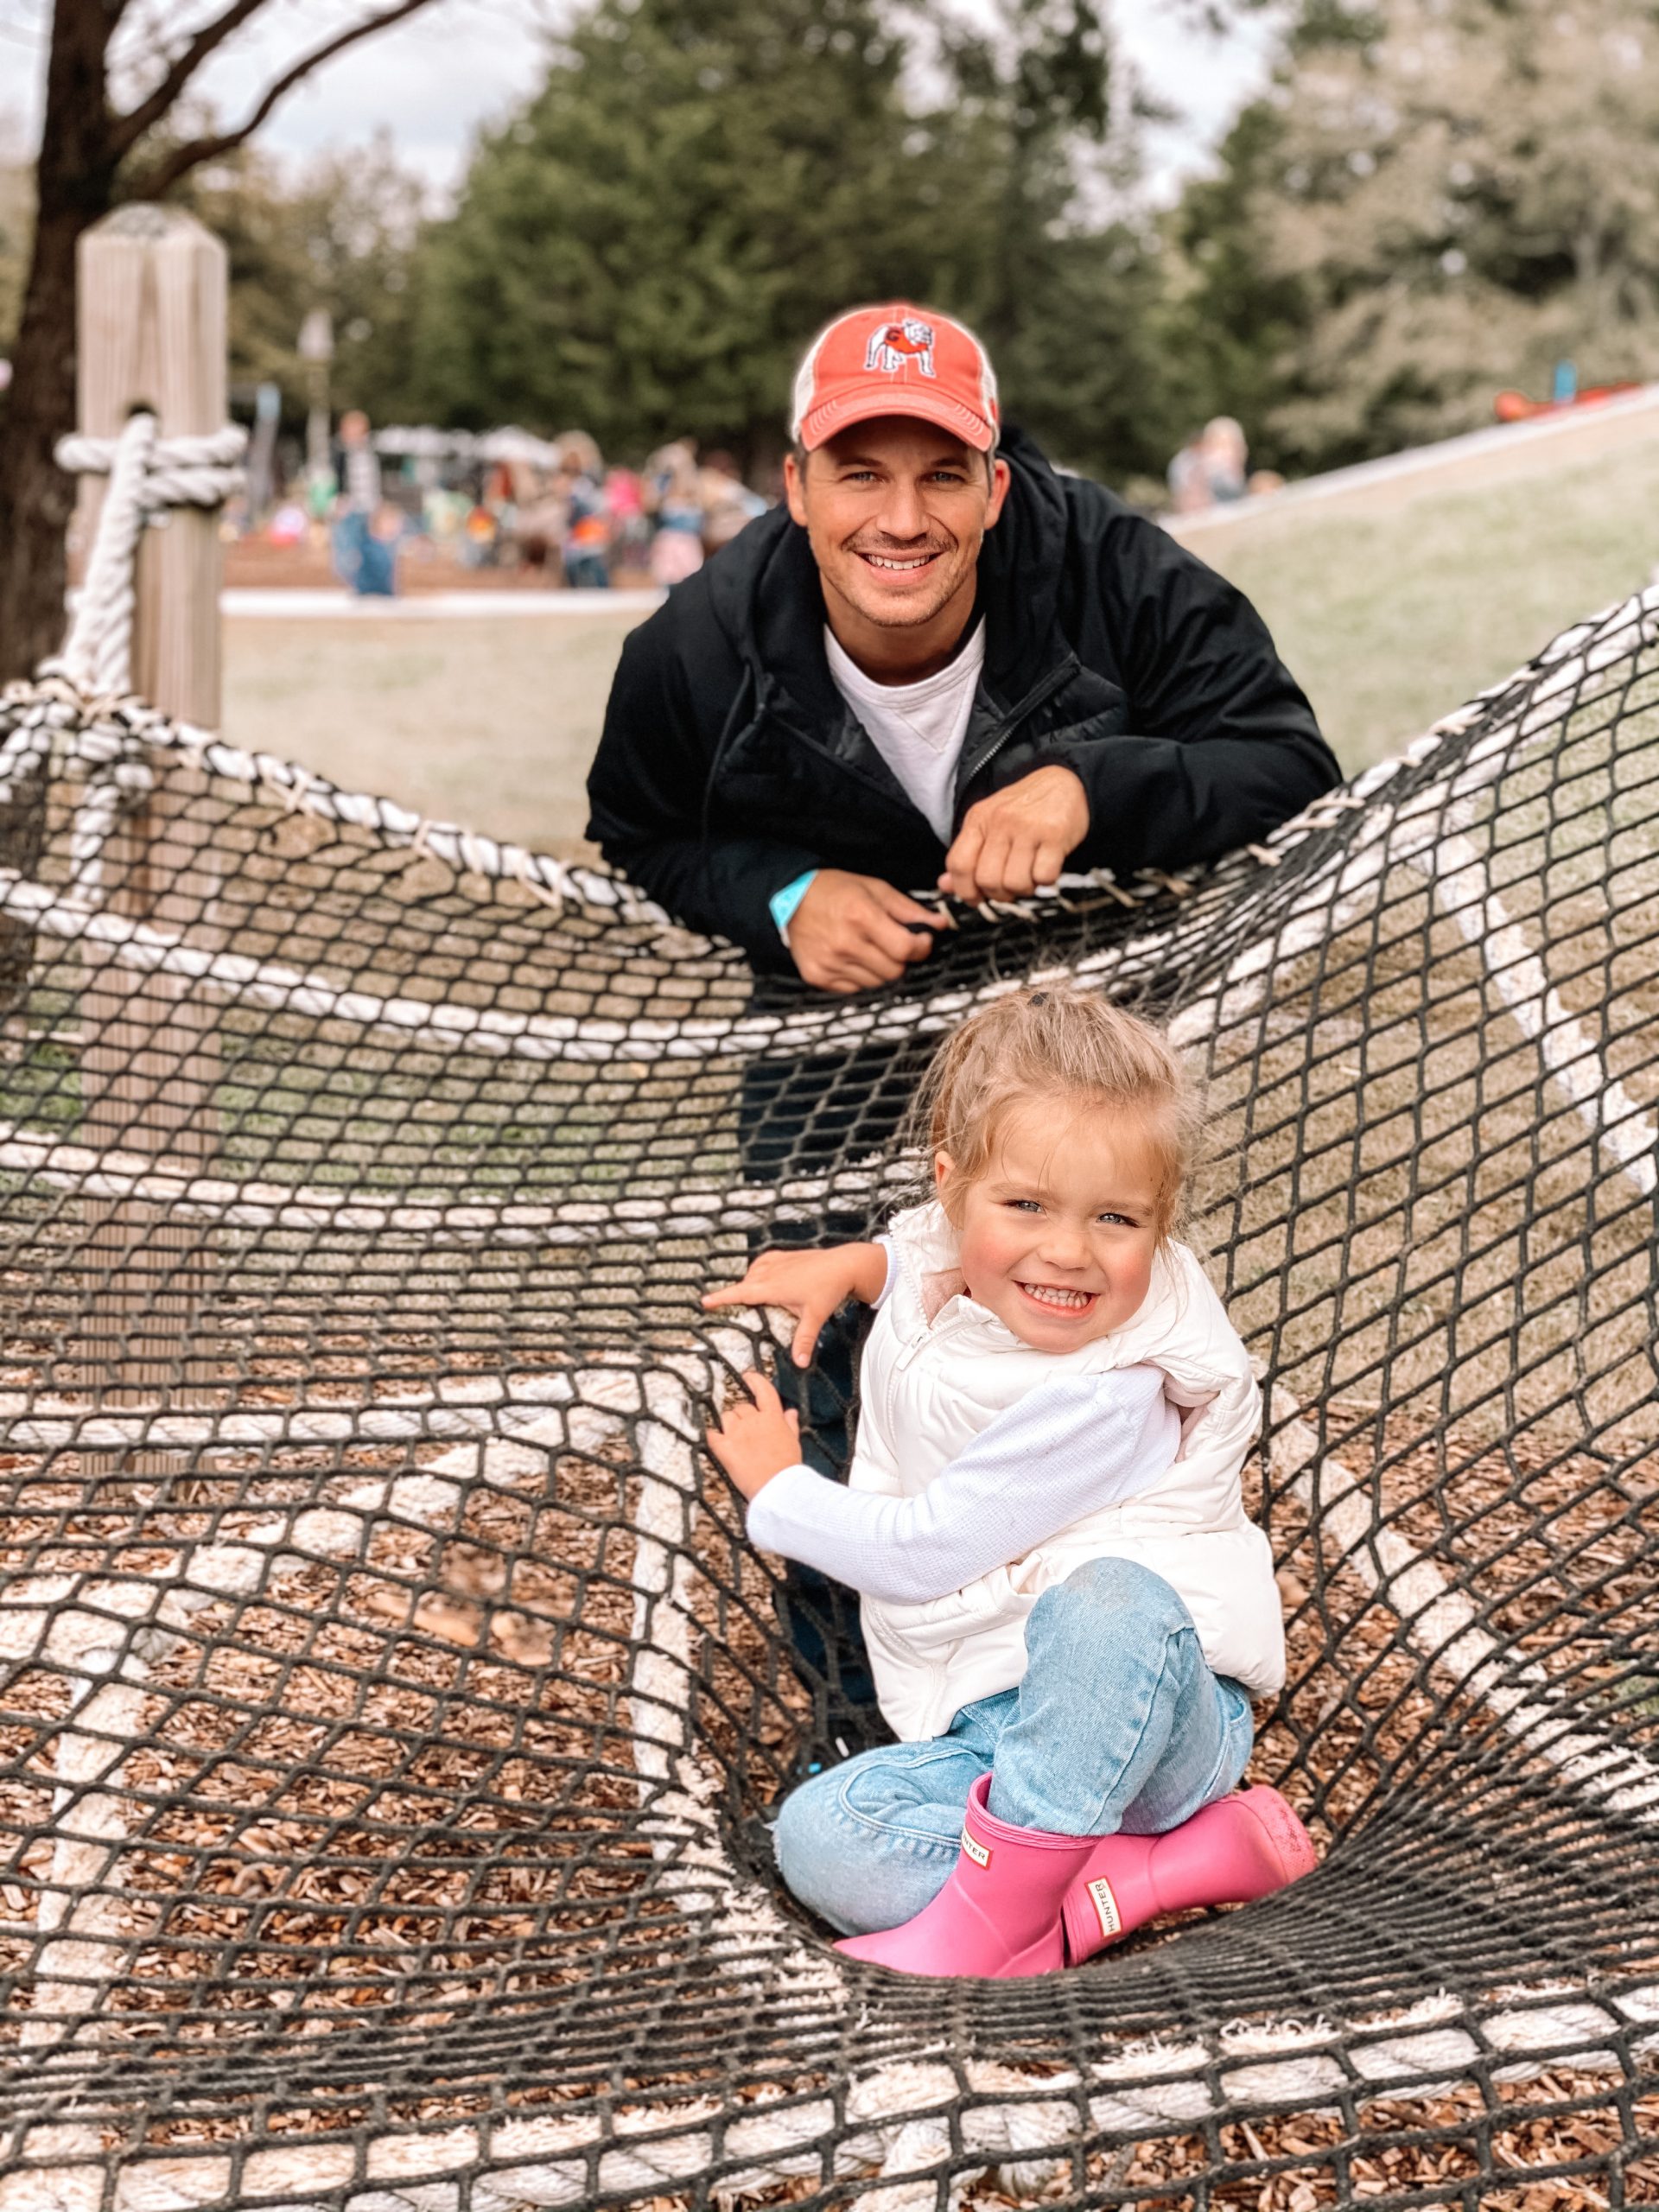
x=810, y=1285
x=757, y=1437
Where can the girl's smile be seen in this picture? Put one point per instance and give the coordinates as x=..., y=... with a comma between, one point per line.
x=1052, y=1294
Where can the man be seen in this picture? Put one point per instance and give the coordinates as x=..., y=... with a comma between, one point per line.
x=941, y=666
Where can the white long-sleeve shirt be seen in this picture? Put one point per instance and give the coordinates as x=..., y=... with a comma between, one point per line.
x=1061, y=1451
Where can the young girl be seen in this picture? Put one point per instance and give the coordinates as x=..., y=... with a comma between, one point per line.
x=1067, y=1610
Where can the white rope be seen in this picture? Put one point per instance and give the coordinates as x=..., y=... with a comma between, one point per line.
x=148, y=474
x=440, y=1217
x=445, y=1025
x=905, y=2109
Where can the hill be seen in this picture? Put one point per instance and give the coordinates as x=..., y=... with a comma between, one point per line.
x=1396, y=589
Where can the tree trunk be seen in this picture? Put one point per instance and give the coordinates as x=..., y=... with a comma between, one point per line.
x=36, y=499
x=76, y=185
x=75, y=181
x=36, y=496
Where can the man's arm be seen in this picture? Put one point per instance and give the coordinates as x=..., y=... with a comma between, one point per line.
x=1065, y=1450
x=647, y=790
x=1224, y=746
x=656, y=815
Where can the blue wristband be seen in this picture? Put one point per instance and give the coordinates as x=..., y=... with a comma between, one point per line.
x=782, y=904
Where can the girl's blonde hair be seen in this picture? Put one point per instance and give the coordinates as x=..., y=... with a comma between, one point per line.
x=1057, y=1042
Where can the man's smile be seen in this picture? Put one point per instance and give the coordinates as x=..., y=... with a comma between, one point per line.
x=900, y=563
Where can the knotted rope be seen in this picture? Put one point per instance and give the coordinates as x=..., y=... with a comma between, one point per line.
x=148, y=474
x=73, y=703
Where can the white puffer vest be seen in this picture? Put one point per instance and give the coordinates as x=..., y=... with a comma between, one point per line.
x=928, y=1387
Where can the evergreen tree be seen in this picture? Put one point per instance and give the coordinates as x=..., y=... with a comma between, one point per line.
x=1233, y=324
x=697, y=186
x=700, y=184
x=1061, y=273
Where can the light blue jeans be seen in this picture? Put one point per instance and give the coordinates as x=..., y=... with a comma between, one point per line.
x=1119, y=1724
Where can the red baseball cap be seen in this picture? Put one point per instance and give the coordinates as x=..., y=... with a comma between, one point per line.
x=896, y=359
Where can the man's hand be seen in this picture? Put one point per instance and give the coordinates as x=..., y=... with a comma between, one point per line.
x=850, y=933
x=1017, y=838
x=757, y=1437
x=810, y=1285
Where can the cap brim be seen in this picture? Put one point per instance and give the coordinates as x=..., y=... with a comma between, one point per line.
x=889, y=397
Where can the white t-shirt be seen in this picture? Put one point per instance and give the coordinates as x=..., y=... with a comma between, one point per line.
x=917, y=728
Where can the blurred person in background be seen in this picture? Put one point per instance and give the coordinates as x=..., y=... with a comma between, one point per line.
x=630, y=524
x=286, y=525
x=364, y=539
x=480, y=538
x=377, y=568
x=674, y=499
x=359, y=472
x=580, y=482
x=1226, y=458
x=727, y=503
x=1210, y=468
x=541, y=515
x=1188, y=478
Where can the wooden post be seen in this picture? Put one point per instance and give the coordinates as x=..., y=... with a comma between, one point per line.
x=153, y=336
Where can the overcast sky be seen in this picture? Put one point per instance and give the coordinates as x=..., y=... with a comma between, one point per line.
x=431, y=81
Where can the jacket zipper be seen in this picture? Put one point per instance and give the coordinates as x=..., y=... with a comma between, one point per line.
x=729, y=736
x=902, y=1359
x=1039, y=695
x=891, y=1396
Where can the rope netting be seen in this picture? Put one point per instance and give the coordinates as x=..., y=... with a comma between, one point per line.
x=392, y=1708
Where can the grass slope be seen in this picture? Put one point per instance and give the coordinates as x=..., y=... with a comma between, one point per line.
x=1392, y=617
x=490, y=722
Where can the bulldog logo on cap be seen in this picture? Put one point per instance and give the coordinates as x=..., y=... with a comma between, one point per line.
x=896, y=343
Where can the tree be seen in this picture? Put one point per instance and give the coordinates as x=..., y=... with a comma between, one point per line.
x=337, y=235
x=1449, y=196
x=94, y=154
x=1061, y=274
x=1233, y=323
x=700, y=184
x=695, y=187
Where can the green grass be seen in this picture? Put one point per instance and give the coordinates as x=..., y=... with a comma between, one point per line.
x=489, y=722
x=1391, y=618
x=40, y=1069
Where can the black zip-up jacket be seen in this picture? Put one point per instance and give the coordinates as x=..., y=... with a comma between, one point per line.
x=730, y=763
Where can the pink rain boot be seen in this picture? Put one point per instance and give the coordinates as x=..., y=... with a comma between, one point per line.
x=1236, y=1850
x=999, y=1914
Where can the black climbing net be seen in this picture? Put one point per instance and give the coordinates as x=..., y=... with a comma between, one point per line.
x=391, y=1708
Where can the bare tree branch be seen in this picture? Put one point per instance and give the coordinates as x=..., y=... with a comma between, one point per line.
x=127, y=130
x=183, y=159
